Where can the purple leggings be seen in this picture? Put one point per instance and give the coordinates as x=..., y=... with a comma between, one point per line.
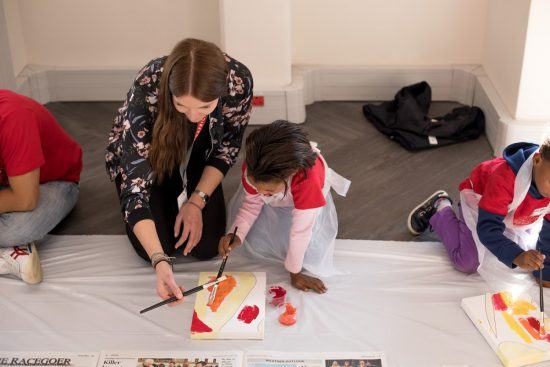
x=457, y=239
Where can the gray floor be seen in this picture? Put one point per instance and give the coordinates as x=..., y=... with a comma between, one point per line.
x=387, y=180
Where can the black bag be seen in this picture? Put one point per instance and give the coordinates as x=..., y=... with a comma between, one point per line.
x=405, y=120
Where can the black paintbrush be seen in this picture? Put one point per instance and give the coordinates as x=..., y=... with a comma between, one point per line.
x=222, y=267
x=185, y=294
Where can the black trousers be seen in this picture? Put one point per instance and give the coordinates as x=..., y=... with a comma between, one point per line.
x=164, y=208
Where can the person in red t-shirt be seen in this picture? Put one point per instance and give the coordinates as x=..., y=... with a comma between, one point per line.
x=40, y=168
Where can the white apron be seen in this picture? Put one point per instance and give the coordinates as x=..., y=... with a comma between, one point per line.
x=268, y=238
x=495, y=273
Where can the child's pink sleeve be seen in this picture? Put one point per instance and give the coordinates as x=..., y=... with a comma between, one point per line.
x=248, y=212
x=300, y=236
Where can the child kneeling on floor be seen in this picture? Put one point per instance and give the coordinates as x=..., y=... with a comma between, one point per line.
x=283, y=209
x=503, y=208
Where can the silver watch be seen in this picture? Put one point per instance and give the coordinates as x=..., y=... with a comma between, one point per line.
x=204, y=196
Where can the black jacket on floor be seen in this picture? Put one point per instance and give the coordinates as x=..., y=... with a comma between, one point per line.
x=405, y=120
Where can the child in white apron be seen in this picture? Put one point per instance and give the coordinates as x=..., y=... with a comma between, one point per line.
x=502, y=218
x=284, y=210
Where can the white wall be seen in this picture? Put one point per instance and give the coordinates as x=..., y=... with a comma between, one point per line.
x=127, y=33
x=509, y=38
x=388, y=32
x=534, y=96
x=504, y=47
x=257, y=33
x=15, y=35
x=109, y=34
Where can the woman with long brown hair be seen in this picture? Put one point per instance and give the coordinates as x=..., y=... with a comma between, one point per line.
x=176, y=136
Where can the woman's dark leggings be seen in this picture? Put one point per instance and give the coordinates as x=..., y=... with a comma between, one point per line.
x=164, y=208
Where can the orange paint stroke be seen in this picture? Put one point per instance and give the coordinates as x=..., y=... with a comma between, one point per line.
x=534, y=333
x=224, y=288
x=513, y=325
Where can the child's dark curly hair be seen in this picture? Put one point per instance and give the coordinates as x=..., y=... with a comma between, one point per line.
x=276, y=151
x=545, y=150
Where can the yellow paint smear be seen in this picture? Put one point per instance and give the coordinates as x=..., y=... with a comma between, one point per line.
x=522, y=307
x=513, y=354
x=507, y=298
x=513, y=324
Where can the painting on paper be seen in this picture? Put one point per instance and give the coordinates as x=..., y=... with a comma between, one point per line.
x=511, y=326
x=237, y=311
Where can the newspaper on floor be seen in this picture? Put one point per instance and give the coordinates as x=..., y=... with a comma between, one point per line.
x=171, y=359
x=48, y=359
x=337, y=359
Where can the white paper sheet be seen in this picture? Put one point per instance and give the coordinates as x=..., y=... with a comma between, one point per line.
x=402, y=298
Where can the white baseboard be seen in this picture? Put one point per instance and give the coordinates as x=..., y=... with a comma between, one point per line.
x=500, y=128
x=338, y=83
x=47, y=84
x=466, y=84
x=377, y=83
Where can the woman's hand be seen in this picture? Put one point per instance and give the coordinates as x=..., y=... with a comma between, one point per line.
x=166, y=284
x=225, y=246
x=190, y=216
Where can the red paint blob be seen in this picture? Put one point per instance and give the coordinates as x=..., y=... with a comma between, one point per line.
x=197, y=326
x=534, y=328
x=277, y=291
x=248, y=314
x=278, y=295
x=288, y=317
x=498, y=302
x=535, y=324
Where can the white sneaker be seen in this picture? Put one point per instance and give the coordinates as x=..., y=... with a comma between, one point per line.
x=23, y=262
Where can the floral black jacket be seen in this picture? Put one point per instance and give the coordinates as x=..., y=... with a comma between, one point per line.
x=130, y=138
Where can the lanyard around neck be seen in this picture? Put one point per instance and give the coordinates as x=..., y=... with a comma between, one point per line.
x=200, y=125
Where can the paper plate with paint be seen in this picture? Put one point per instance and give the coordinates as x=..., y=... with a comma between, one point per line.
x=238, y=310
x=511, y=327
